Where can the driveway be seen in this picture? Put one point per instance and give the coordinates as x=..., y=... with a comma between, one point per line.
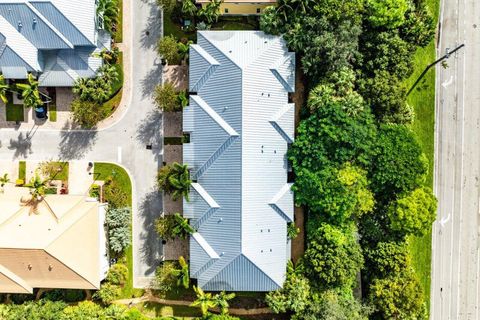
x=456, y=242
x=124, y=142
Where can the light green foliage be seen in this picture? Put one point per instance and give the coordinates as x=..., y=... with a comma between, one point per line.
x=166, y=97
x=114, y=194
x=221, y=301
x=117, y=274
x=165, y=280
x=107, y=11
x=334, y=195
x=400, y=165
x=387, y=13
x=98, y=89
x=174, y=179
x=30, y=94
x=398, y=297
x=168, y=49
x=211, y=12
x=4, y=180
x=85, y=310
x=189, y=8
x=204, y=300
x=292, y=230
x=333, y=257
x=388, y=258
x=33, y=310
x=171, y=226
x=182, y=274
x=108, y=292
x=413, y=213
x=118, y=221
x=385, y=93
x=4, y=88
x=86, y=113
x=37, y=187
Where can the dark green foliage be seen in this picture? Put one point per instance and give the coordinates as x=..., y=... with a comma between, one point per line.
x=385, y=93
x=174, y=179
x=107, y=11
x=386, y=51
x=419, y=26
x=324, y=32
x=400, y=165
x=387, y=258
x=333, y=257
x=66, y=295
x=333, y=136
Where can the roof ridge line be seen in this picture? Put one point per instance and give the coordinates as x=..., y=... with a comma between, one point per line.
x=51, y=26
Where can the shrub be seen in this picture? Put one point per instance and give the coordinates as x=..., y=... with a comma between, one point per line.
x=114, y=194
x=87, y=113
x=118, y=223
x=108, y=292
x=117, y=274
x=292, y=230
x=95, y=191
x=166, y=97
x=165, y=279
x=168, y=49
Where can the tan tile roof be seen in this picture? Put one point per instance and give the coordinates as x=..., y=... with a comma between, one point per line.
x=58, y=246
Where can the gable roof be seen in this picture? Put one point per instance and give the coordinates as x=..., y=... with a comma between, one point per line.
x=35, y=30
x=240, y=124
x=58, y=246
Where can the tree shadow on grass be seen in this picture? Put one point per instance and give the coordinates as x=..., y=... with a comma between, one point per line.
x=75, y=143
x=150, y=209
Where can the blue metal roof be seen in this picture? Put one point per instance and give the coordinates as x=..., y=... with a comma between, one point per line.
x=31, y=26
x=240, y=124
x=61, y=23
x=10, y=58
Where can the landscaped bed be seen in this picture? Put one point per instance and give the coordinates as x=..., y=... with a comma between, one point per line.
x=52, y=112
x=112, y=104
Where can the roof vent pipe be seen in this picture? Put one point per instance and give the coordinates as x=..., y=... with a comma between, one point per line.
x=34, y=20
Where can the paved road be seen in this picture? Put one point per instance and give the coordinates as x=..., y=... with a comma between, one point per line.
x=123, y=143
x=455, y=260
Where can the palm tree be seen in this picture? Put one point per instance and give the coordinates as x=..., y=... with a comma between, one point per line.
x=37, y=188
x=189, y=8
x=204, y=300
x=4, y=180
x=211, y=11
x=182, y=228
x=182, y=274
x=30, y=94
x=109, y=73
x=221, y=301
x=107, y=11
x=180, y=181
x=3, y=89
x=183, y=49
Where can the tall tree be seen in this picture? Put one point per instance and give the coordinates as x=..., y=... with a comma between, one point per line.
x=107, y=11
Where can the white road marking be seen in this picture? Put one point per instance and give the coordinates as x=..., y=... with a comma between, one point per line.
x=448, y=82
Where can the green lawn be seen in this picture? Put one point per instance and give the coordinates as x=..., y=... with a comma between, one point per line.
x=52, y=112
x=62, y=175
x=422, y=99
x=102, y=171
x=170, y=28
x=154, y=309
x=14, y=112
x=118, y=36
x=22, y=170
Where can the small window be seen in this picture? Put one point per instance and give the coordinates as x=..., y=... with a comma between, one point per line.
x=258, y=10
x=226, y=10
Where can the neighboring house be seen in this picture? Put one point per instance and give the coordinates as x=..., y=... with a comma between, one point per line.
x=240, y=124
x=53, y=39
x=60, y=244
x=241, y=7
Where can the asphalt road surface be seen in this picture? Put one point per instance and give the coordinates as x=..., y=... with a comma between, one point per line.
x=455, y=258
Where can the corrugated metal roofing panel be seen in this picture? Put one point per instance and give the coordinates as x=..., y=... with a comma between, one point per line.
x=59, y=21
x=248, y=234
x=32, y=26
x=14, y=72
